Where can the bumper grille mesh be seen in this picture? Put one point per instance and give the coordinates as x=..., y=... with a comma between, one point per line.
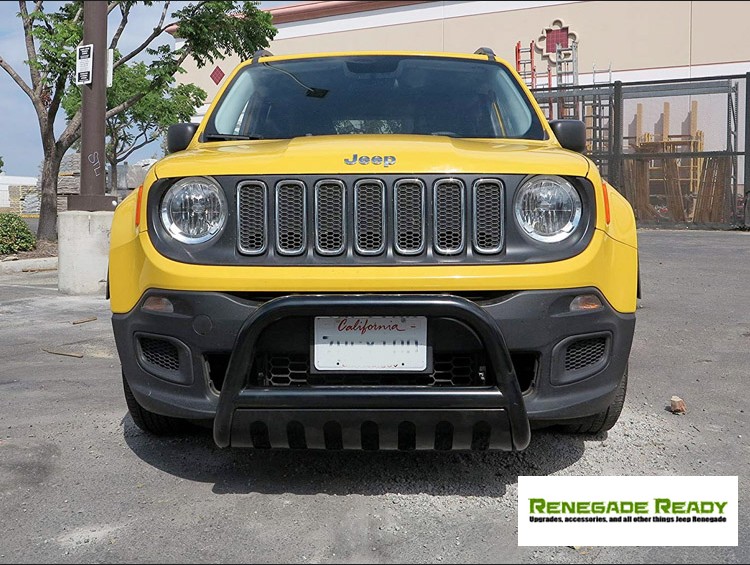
x=448, y=370
x=584, y=353
x=160, y=353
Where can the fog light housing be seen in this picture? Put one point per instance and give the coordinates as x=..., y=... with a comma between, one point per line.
x=586, y=303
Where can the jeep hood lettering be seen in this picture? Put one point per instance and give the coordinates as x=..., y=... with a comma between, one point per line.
x=410, y=154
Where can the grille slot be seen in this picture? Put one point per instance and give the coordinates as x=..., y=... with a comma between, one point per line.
x=369, y=217
x=488, y=213
x=584, y=353
x=252, y=205
x=409, y=216
x=291, y=214
x=330, y=209
x=160, y=353
x=448, y=202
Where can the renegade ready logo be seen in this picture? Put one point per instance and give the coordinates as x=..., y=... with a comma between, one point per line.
x=385, y=160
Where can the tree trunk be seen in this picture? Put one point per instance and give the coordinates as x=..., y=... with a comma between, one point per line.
x=112, y=176
x=48, y=210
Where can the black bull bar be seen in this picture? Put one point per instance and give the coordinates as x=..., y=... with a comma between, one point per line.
x=497, y=409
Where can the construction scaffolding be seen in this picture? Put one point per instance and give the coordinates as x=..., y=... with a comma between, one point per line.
x=566, y=75
x=526, y=68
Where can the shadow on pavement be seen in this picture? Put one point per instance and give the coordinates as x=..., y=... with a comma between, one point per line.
x=242, y=471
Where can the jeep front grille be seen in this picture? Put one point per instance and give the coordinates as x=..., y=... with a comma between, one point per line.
x=488, y=214
x=449, y=216
x=406, y=219
x=291, y=217
x=252, y=211
x=369, y=217
x=409, y=212
x=330, y=226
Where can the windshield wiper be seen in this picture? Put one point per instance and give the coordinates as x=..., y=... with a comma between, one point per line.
x=230, y=137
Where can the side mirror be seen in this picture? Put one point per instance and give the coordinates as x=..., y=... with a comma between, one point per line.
x=179, y=136
x=570, y=133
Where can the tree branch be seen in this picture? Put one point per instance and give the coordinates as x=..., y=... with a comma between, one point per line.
x=79, y=15
x=30, y=47
x=17, y=78
x=125, y=11
x=158, y=30
x=71, y=132
x=54, y=104
x=134, y=148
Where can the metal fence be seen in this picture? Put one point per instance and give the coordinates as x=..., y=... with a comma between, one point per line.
x=674, y=148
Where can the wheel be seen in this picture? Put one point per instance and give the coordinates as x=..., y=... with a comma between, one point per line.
x=603, y=421
x=150, y=422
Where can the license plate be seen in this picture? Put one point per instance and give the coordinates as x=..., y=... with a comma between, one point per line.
x=370, y=343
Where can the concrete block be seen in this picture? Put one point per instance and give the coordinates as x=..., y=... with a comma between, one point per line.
x=83, y=251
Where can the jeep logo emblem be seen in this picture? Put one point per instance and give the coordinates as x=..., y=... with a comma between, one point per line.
x=385, y=160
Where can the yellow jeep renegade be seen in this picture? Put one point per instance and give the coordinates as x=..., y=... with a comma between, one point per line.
x=374, y=251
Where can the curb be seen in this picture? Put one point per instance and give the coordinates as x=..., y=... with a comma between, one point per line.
x=28, y=265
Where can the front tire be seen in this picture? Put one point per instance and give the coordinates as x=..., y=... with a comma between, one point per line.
x=603, y=421
x=150, y=422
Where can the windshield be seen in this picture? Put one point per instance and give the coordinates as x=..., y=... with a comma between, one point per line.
x=374, y=95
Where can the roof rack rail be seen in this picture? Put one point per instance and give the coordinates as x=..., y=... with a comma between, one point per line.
x=261, y=53
x=486, y=51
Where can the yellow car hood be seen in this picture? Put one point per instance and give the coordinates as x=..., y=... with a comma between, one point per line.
x=375, y=154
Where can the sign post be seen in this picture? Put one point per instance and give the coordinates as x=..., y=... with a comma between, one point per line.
x=91, y=74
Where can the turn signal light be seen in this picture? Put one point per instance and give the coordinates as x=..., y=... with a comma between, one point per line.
x=585, y=303
x=158, y=304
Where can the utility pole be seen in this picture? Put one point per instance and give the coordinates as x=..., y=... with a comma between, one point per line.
x=93, y=108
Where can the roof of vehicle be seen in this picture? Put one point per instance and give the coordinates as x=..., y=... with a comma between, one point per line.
x=482, y=54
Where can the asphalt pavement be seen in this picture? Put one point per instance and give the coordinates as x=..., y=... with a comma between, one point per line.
x=80, y=483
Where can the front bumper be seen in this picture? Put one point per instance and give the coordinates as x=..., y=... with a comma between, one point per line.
x=528, y=325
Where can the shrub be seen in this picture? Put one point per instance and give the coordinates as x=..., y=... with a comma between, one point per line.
x=15, y=235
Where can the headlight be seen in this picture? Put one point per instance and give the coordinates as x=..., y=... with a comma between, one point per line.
x=194, y=210
x=547, y=208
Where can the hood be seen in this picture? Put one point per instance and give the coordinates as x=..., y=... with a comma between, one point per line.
x=373, y=155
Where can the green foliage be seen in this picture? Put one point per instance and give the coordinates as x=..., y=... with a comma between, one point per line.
x=56, y=34
x=211, y=29
x=15, y=235
x=2, y=164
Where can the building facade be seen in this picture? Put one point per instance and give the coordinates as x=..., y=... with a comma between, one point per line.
x=634, y=40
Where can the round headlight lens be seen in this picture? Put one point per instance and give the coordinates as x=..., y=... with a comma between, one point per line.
x=547, y=208
x=194, y=210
